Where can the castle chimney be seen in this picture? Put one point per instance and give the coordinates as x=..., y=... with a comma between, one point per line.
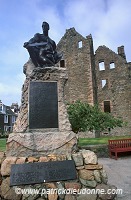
x=121, y=52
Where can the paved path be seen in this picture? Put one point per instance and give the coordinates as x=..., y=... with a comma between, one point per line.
x=119, y=174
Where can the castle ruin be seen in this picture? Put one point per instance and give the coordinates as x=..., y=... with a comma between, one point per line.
x=103, y=76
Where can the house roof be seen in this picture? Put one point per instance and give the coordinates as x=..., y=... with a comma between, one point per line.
x=9, y=111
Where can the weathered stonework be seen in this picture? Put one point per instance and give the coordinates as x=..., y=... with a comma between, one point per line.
x=74, y=189
x=43, y=74
x=85, y=77
x=40, y=142
x=118, y=86
x=79, y=62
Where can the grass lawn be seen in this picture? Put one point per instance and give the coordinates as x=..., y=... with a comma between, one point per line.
x=2, y=144
x=81, y=142
x=101, y=140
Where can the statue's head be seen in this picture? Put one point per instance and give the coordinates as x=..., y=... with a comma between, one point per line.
x=45, y=26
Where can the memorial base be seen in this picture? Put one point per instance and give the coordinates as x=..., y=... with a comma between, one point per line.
x=90, y=176
x=39, y=143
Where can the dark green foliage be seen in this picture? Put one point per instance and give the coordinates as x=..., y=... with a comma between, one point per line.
x=85, y=117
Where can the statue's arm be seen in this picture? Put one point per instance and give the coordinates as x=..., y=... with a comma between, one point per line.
x=32, y=40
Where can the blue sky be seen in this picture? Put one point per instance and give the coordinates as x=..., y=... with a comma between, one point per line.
x=109, y=22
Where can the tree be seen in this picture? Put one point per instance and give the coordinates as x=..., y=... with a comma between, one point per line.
x=85, y=117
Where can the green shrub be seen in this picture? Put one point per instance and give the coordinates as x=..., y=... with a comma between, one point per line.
x=85, y=117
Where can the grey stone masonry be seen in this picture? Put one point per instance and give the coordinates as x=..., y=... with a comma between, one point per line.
x=79, y=62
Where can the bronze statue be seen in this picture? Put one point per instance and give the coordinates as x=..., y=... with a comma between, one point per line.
x=42, y=49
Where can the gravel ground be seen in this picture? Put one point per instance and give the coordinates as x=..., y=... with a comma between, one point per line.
x=119, y=174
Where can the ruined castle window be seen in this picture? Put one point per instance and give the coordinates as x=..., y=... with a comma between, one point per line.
x=112, y=65
x=101, y=66
x=80, y=44
x=107, y=107
x=103, y=83
x=62, y=63
x=129, y=71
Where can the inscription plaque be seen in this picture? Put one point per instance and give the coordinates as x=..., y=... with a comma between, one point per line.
x=31, y=173
x=43, y=105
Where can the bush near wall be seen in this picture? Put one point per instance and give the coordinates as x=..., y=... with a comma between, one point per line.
x=84, y=117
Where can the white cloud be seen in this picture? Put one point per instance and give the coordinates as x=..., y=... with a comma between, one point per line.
x=84, y=15
x=107, y=20
x=115, y=26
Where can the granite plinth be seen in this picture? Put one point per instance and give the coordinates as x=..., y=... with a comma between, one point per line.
x=39, y=143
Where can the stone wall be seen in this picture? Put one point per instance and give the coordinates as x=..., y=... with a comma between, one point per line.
x=85, y=78
x=90, y=175
x=86, y=134
x=117, y=88
x=79, y=62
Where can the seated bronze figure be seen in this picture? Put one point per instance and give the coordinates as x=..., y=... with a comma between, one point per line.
x=42, y=49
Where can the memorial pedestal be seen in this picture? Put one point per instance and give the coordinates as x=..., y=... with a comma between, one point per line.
x=42, y=126
x=41, y=143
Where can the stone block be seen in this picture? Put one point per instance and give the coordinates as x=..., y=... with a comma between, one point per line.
x=52, y=196
x=40, y=198
x=104, y=176
x=32, y=159
x=43, y=159
x=86, y=174
x=87, y=197
x=78, y=159
x=7, y=192
x=106, y=188
x=52, y=157
x=40, y=144
x=93, y=167
x=89, y=157
x=91, y=184
x=2, y=155
x=97, y=176
x=6, y=165
x=61, y=157
x=51, y=185
x=29, y=196
x=72, y=185
x=21, y=160
x=70, y=197
x=80, y=167
x=60, y=189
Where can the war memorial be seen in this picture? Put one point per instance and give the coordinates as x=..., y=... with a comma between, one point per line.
x=42, y=152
